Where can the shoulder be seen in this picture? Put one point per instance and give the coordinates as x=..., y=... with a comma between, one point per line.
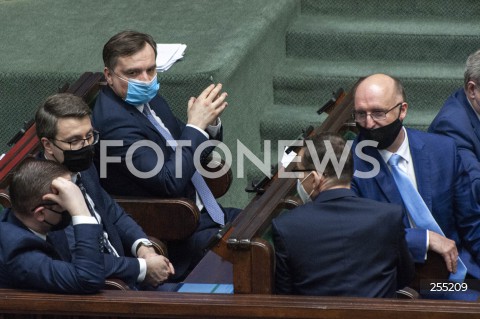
x=454, y=109
x=435, y=142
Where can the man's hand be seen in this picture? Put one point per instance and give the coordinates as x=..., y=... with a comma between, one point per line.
x=207, y=107
x=68, y=196
x=445, y=247
x=159, y=269
x=145, y=252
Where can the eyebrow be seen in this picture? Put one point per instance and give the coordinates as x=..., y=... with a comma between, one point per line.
x=153, y=66
x=78, y=137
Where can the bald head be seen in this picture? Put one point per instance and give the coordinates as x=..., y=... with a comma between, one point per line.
x=381, y=88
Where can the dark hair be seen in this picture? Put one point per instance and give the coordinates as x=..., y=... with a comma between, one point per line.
x=61, y=105
x=338, y=145
x=125, y=43
x=31, y=180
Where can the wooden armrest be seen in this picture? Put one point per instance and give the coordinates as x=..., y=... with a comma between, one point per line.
x=115, y=284
x=407, y=293
x=5, y=198
x=165, y=219
x=220, y=185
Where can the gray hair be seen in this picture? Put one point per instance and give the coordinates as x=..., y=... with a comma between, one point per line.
x=472, y=69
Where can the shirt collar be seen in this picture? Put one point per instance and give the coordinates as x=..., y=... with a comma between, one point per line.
x=403, y=150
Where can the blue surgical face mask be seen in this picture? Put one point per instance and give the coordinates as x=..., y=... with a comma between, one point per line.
x=139, y=92
x=302, y=193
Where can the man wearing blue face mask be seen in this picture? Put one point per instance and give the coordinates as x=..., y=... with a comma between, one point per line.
x=332, y=245
x=130, y=110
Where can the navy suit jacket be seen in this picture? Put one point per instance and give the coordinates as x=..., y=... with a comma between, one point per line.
x=122, y=230
x=334, y=246
x=29, y=262
x=444, y=186
x=458, y=120
x=117, y=120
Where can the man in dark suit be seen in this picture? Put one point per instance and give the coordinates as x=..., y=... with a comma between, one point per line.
x=459, y=118
x=333, y=245
x=44, y=201
x=129, y=114
x=65, y=131
x=433, y=168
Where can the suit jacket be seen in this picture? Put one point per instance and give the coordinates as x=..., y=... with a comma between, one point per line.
x=444, y=186
x=334, y=246
x=29, y=262
x=117, y=120
x=122, y=231
x=458, y=120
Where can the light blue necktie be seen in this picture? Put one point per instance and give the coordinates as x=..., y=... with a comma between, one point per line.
x=201, y=186
x=418, y=210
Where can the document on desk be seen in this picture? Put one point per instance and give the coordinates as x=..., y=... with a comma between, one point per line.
x=207, y=288
x=168, y=54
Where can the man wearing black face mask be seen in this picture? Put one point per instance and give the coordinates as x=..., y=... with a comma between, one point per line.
x=65, y=131
x=420, y=171
x=45, y=200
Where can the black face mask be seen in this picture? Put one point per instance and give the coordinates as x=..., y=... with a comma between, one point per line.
x=385, y=136
x=63, y=223
x=78, y=160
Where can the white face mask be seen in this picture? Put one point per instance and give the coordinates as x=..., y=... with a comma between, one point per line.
x=302, y=193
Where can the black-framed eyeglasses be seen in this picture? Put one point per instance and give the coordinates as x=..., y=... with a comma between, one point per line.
x=361, y=116
x=77, y=144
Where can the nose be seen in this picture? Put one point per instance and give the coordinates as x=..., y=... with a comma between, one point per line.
x=145, y=77
x=369, y=122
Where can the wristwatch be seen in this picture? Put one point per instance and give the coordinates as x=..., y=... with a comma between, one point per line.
x=144, y=242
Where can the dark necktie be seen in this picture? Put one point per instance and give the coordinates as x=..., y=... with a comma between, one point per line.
x=418, y=210
x=106, y=243
x=201, y=186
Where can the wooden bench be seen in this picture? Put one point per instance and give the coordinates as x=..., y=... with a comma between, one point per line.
x=137, y=304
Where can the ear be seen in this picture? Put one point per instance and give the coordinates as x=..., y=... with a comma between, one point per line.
x=38, y=214
x=470, y=90
x=317, y=180
x=47, y=145
x=108, y=76
x=403, y=111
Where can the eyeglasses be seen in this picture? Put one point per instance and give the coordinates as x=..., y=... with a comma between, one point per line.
x=91, y=139
x=361, y=116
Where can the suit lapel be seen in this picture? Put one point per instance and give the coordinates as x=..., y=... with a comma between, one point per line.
x=421, y=164
x=384, y=179
x=94, y=191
